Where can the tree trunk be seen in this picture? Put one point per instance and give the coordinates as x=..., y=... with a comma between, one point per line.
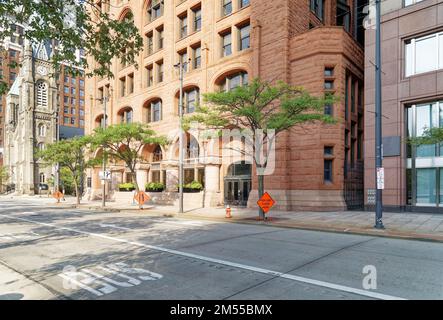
x=137, y=188
x=77, y=193
x=261, y=191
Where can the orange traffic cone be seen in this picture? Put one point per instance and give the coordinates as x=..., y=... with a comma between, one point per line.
x=228, y=212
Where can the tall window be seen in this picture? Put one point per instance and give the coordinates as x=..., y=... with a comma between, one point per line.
x=149, y=43
x=227, y=44
x=244, y=3
x=227, y=7
x=183, y=58
x=328, y=154
x=191, y=99
x=160, y=72
x=130, y=83
x=122, y=87
x=424, y=54
x=42, y=94
x=316, y=6
x=155, y=9
x=183, y=20
x=42, y=178
x=160, y=37
x=343, y=14
x=154, y=111
x=41, y=146
x=245, y=37
x=149, y=76
x=197, y=57
x=197, y=19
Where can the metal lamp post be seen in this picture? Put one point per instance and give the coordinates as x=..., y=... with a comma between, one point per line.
x=181, y=65
x=378, y=122
x=105, y=99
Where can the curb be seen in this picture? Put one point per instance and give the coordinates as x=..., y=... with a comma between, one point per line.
x=343, y=229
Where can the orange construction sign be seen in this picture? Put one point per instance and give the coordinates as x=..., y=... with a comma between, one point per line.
x=141, y=197
x=58, y=195
x=266, y=202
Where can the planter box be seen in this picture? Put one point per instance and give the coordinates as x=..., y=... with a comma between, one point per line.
x=161, y=190
x=126, y=190
x=189, y=190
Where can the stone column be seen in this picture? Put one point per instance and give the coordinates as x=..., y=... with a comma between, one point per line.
x=142, y=178
x=171, y=179
x=212, y=185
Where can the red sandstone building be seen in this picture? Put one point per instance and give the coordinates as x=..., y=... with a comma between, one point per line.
x=412, y=90
x=316, y=44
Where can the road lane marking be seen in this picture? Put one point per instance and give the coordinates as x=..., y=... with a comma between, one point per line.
x=279, y=274
x=113, y=226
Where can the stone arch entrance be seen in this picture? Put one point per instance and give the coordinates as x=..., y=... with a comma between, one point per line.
x=238, y=184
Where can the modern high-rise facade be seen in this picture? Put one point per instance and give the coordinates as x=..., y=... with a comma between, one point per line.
x=412, y=93
x=317, y=45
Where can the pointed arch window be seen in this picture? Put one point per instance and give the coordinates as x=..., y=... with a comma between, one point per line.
x=42, y=130
x=157, y=155
x=42, y=94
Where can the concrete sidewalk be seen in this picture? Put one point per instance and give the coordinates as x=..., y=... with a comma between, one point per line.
x=421, y=226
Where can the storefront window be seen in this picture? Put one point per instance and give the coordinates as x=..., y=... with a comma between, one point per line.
x=424, y=175
x=426, y=186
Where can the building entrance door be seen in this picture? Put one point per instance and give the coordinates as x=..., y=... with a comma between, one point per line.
x=238, y=184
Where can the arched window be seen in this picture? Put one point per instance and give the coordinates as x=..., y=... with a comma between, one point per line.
x=41, y=146
x=41, y=130
x=157, y=155
x=126, y=115
x=154, y=110
x=42, y=94
x=155, y=9
x=100, y=121
x=233, y=81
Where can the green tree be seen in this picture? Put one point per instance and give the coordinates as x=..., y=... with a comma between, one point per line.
x=70, y=154
x=123, y=142
x=263, y=110
x=75, y=24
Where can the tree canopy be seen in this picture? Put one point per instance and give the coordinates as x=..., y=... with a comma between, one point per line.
x=73, y=24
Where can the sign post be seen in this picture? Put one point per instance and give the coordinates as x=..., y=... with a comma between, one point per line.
x=266, y=203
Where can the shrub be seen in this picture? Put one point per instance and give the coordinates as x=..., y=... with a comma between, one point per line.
x=154, y=186
x=126, y=186
x=194, y=185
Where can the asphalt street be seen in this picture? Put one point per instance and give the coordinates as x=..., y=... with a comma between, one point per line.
x=49, y=253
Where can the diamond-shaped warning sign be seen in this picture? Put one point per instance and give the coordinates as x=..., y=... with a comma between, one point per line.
x=266, y=202
x=141, y=198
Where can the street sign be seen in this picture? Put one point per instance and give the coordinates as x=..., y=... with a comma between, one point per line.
x=266, y=202
x=58, y=195
x=106, y=176
x=380, y=178
x=141, y=197
x=371, y=196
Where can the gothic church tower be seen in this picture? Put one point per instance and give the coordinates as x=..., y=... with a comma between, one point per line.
x=31, y=117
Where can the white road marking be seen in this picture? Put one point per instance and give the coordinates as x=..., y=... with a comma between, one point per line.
x=319, y=283
x=103, y=225
x=72, y=279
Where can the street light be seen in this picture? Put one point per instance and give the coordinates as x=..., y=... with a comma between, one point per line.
x=379, y=174
x=104, y=100
x=181, y=66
